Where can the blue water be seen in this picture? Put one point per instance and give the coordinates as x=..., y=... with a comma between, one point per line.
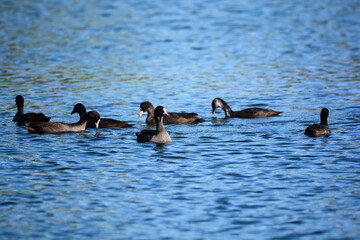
x=219, y=179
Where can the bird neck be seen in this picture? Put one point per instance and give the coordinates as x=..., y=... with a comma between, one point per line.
x=20, y=109
x=224, y=106
x=150, y=115
x=324, y=121
x=227, y=110
x=159, y=124
x=82, y=119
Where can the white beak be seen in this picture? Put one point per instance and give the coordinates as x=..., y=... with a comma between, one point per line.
x=97, y=124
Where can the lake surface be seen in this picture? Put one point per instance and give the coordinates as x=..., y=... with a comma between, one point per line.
x=219, y=179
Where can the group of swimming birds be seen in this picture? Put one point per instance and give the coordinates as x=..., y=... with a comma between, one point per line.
x=39, y=123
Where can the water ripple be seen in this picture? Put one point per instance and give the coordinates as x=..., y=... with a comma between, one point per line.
x=220, y=178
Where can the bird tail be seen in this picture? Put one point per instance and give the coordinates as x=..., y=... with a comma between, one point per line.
x=30, y=129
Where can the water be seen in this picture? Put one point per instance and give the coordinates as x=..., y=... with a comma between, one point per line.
x=219, y=179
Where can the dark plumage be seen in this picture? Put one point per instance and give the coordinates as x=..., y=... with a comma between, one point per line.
x=171, y=118
x=104, y=123
x=159, y=135
x=53, y=127
x=27, y=117
x=317, y=130
x=246, y=113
